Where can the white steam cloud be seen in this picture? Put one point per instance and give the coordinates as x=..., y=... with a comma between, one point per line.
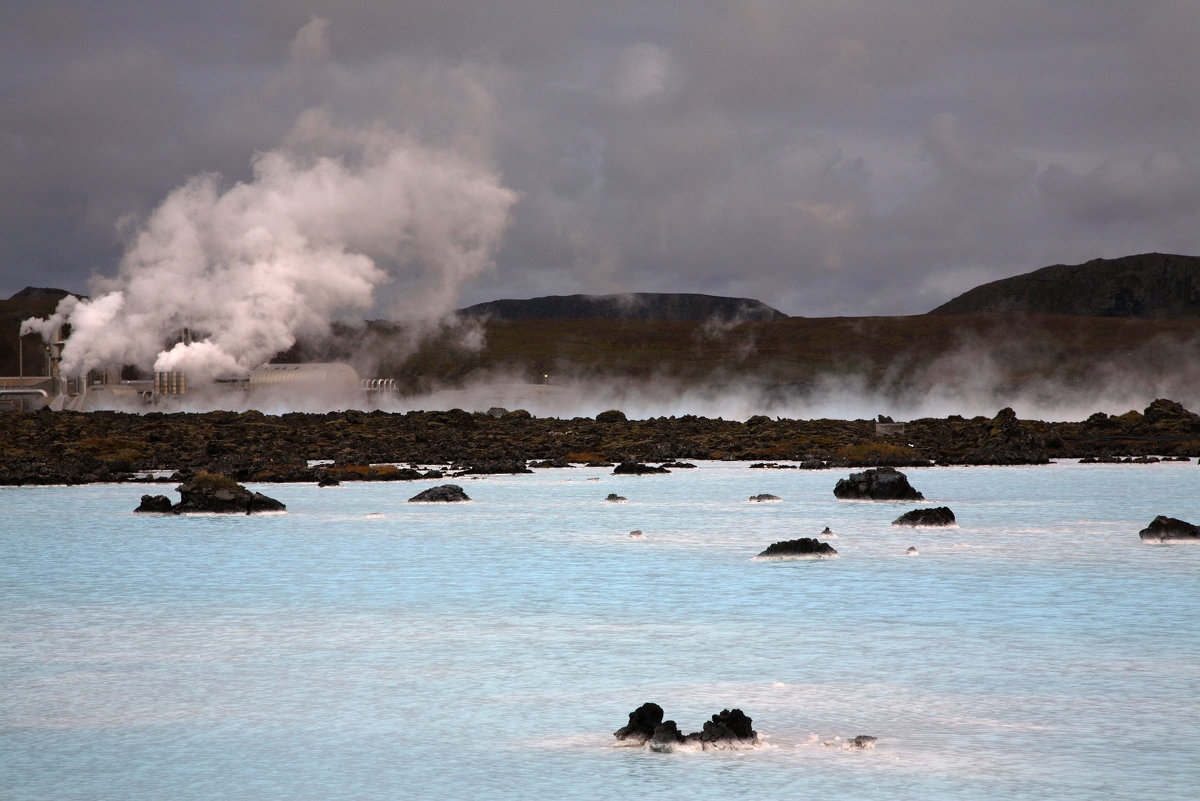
x=330, y=217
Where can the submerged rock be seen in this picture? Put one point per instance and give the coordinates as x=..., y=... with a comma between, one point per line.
x=1166, y=529
x=615, y=498
x=877, y=484
x=863, y=742
x=803, y=548
x=443, y=493
x=764, y=496
x=938, y=516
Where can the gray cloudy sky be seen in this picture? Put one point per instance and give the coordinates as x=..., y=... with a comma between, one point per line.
x=829, y=158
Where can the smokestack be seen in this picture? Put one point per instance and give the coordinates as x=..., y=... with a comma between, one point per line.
x=56, y=348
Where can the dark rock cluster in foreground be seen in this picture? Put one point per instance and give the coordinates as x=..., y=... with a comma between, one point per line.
x=47, y=447
x=728, y=729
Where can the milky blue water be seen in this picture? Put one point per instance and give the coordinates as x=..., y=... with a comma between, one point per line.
x=361, y=647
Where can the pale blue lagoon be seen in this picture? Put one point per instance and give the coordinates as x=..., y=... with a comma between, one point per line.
x=361, y=647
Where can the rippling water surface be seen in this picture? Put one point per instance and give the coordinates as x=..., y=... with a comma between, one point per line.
x=361, y=647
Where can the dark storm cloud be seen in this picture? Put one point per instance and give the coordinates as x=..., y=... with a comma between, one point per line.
x=861, y=157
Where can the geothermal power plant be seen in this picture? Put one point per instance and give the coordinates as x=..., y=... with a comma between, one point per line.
x=332, y=381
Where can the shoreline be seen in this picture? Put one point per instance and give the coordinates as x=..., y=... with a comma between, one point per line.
x=101, y=447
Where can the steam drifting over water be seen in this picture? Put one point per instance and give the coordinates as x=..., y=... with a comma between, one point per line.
x=834, y=397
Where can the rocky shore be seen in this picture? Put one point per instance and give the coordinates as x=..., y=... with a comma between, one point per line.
x=82, y=447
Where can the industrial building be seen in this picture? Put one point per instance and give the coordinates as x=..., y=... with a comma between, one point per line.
x=336, y=382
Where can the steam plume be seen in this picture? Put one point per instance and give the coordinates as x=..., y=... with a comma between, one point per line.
x=327, y=219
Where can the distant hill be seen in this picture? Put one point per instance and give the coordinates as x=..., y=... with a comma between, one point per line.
x=1152, y=285
x=29, y=302
x=38, y=293
x=632, y=306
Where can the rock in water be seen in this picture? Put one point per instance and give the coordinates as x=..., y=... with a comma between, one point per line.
x=444, y=493
x=803, y=548
x=160, y=504
x=1167, y=529
x=615, y=498
x=211, y=492
x=729, y=727
x=764, y=496
x=666, y=737
x=637, y=469
x=939, y=516
x=863, y=742
x=877, y=484
x=642, y=723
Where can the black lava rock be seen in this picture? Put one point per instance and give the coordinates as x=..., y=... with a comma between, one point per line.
x=642, y=723
x=729, y=724
x=803, y=548
x=498, y=467
x=730, y=728
x=206, y=492
x=160, y=504
x=637, y=469
x=939, y=516
x=210, y=492
x=443, y=493
x=1165, y=529
x=877, y=484
x=666, y=737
